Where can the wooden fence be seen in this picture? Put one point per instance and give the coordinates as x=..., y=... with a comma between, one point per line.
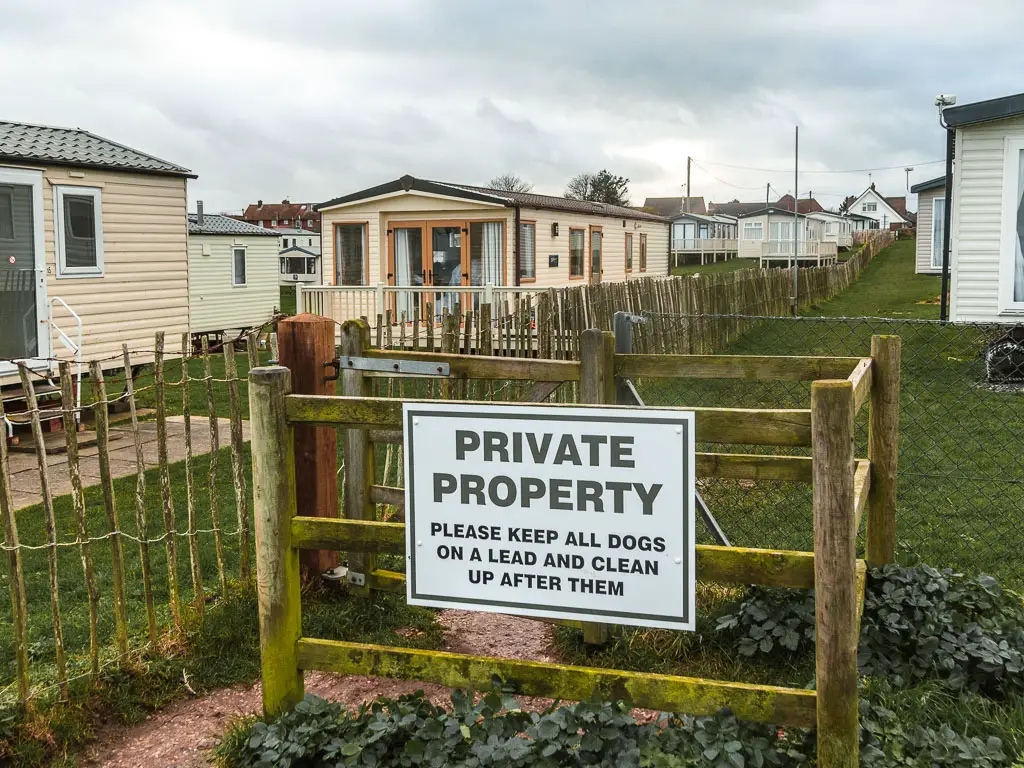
x=548, y=324
x=845, y=490
x=123, y=532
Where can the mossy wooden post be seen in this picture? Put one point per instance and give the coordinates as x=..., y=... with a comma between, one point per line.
x=835, y=579
x=360, y=472
x=277, y=562
x=51, y=528
x=305, y=343
x=141, y=524
x=170, y=530
x=883, y=449
x=78, y=502
x=15, y=575
x=597, y=385
x=110, y=506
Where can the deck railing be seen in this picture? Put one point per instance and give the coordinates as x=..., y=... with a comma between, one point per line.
x=704, y=245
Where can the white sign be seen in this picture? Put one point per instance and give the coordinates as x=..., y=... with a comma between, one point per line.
x=577, y=513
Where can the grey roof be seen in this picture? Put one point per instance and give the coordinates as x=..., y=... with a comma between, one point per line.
x=984, y=111
x=735, y=209
x=772, y=212
x=213, y=224
x=702, y=217
x=73, y=146
x=924, y=186
x=305, y=250
x=487, y=195
x=672, y=206
x=289, y=231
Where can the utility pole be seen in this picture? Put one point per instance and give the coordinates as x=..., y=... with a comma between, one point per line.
x=796, y=216
x=686, y=201
x=908, y=169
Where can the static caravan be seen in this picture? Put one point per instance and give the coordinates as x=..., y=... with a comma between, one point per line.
x=767, y=235
x=703, y=239
x=987, y=211
x=838, y=228
x=233, y=268
x=411, y=241
x=931, y=221
x=299, y=257
x=93, y=248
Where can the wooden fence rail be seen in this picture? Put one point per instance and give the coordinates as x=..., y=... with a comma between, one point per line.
x=841, y=488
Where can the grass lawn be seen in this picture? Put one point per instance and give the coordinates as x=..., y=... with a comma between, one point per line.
x=722, y=266
x=288, y=299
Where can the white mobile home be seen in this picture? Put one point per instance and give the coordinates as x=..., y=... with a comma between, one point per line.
x=232, y=269
x=702, y=238
x=931, y=221
x=93, y=249
x=987, y=211
x=838, y=228
x=300, y=257
x=410, y=235
x=767, y=235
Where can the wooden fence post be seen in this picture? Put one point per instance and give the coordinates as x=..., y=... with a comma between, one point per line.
x=237, y=472
x=360, y=469
x=277, y=563
x=597, y=385
x=835, y=581
x=305, y=343
x=16, y=577
x=170, y=531
x=883, y=449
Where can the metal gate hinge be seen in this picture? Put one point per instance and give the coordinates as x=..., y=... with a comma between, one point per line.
x=386, y=365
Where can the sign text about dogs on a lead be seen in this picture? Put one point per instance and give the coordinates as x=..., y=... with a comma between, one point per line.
x=577, y=513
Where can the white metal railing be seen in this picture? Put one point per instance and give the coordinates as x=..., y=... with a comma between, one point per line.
x=817, y=251
x=703, y=245
x=406, y=303
x=72, y=345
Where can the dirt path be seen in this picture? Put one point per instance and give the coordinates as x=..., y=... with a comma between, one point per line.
x=180, y=735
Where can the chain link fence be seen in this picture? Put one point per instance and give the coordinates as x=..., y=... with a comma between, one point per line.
x=961, y=474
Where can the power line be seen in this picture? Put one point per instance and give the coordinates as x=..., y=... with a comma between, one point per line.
x=721, y=181
x=900, y=167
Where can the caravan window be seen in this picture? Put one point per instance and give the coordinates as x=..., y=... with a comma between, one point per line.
x=350, y=254
x=238, y=266
x=79, y=232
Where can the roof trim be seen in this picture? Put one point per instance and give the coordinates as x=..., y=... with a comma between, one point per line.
x=46, y=161
x=411, y=184
x=770, y=211
x=300, y=249
x=984, y=111
x=924, y=186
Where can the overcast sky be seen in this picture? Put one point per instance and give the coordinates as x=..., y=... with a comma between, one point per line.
x=312, y=100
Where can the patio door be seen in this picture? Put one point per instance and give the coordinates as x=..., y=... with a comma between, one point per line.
x=596, y=253
x=406, y=268
x=446, y=264
x=22, y=268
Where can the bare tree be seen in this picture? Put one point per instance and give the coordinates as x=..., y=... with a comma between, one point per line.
x=510, y=182
x=601, y=187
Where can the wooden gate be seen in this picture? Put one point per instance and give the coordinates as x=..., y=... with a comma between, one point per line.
x=843, y=488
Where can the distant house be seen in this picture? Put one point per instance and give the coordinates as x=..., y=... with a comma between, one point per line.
x=768, y=235
x=673, y=206
x=410, y=234
x=283, y=215
x=806, y=204
x=702, y=239
x=889, y=212
x=987, y=210
x=860, y=223
x=931, y=213
x=232, y=273
x=93, y=247
x=300, y=257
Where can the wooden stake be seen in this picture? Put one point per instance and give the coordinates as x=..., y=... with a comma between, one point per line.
x=15, y=575
x=198, y=596
x=170, y=525
x=51, y=529
x=78, y=501
x=237, y=470
x=211, y=407
x=883, y=449
x=110, y=505
x=141, y=523
x=835, y=580
x=277, y=562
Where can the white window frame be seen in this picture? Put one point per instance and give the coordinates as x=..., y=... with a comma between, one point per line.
x=936, y=262
x=759, y=226
x=245, y=257
x=1008, y=240
x=63, y=270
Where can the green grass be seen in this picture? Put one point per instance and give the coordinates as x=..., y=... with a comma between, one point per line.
x=731, y=265
x=287, y=303
x=887, y=287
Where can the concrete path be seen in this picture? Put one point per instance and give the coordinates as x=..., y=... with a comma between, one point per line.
x=25, y=484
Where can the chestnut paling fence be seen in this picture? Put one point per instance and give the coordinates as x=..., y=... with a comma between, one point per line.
x=847, y=490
